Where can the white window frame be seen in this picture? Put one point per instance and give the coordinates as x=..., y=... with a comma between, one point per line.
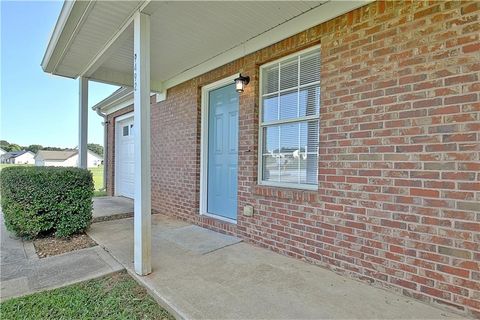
x=123, y=131
x=261, y=125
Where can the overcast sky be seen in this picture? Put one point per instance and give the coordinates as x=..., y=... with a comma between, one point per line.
x=38, y=108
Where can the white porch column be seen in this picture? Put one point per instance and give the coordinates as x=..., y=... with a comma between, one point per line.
x=83, y=122
x=141, y=96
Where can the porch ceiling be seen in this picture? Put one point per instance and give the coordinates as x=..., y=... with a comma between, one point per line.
x=95, y=39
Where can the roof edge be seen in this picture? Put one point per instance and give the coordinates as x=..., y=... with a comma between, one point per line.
x=121, y=95
x=57, y=31
x=73, y=152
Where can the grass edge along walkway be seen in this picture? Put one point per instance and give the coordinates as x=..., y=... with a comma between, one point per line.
x=115, y=296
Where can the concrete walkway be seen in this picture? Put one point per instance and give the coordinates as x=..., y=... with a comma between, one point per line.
x=22, y=272
x=110, y=208
x=200, y=274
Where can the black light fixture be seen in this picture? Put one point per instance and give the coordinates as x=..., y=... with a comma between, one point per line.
x=241, y=82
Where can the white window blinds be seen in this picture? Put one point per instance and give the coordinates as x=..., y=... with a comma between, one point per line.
x=290, y=106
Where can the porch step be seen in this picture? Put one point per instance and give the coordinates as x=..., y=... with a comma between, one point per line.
x=113, y=217
x=111, y=208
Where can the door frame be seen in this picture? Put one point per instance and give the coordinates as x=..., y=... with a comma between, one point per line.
x=115, y=141
x=204, y=145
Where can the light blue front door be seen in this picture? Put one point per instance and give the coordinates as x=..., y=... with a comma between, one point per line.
x=222, y=152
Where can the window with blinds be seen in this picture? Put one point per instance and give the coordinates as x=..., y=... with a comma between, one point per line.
x=289, y=113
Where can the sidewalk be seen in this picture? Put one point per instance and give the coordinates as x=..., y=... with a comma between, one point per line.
x=201, y=274
x=22, y=272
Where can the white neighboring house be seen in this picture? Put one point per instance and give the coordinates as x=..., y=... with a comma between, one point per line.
x=2, y=152
x=18, y=157
x=68, y=158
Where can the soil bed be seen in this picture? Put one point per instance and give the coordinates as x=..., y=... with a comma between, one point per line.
x=51, y=246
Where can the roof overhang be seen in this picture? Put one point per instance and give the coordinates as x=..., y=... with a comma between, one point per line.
x=121, y=98
x=95, y=39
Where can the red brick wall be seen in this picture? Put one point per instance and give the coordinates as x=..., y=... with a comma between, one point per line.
x=398, y=203
x=399, y=179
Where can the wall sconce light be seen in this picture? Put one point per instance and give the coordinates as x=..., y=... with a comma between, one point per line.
x=241, y=82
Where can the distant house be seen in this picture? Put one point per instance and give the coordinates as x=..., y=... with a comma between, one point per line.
x=17, y=157
x=67, y=158
x=2, y=152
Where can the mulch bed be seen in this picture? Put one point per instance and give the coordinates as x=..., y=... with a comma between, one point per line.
x=51, y=246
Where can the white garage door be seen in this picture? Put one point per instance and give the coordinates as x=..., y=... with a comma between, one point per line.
x=124, y=159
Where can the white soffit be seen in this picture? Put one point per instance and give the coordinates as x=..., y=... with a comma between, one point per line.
x=188, y=38
x=82, y=30
x=185, y=34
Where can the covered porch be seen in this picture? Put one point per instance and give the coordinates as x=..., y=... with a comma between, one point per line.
x=152, y=46
x=202, y=274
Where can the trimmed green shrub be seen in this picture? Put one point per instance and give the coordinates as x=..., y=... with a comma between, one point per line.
x=41, y=200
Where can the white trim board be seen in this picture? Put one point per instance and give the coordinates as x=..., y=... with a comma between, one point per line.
x=57, y=31
x=117, y=97
x=204, y=146
x=124, y=102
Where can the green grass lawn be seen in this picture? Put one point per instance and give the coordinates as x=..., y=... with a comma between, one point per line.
x=98, y=181
x=115, y=296
x=97, y=173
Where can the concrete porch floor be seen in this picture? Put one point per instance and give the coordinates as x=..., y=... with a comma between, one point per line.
x=201, y=274
x=108, y=208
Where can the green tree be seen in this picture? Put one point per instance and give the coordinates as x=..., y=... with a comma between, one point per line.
x=5, y=145
x=34, y=148
x=96, y=148
x=15, y=147
x=54, y=149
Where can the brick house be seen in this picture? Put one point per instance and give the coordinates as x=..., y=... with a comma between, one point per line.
x=354, y=146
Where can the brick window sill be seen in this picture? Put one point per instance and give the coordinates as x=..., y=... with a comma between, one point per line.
x=296, y=195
